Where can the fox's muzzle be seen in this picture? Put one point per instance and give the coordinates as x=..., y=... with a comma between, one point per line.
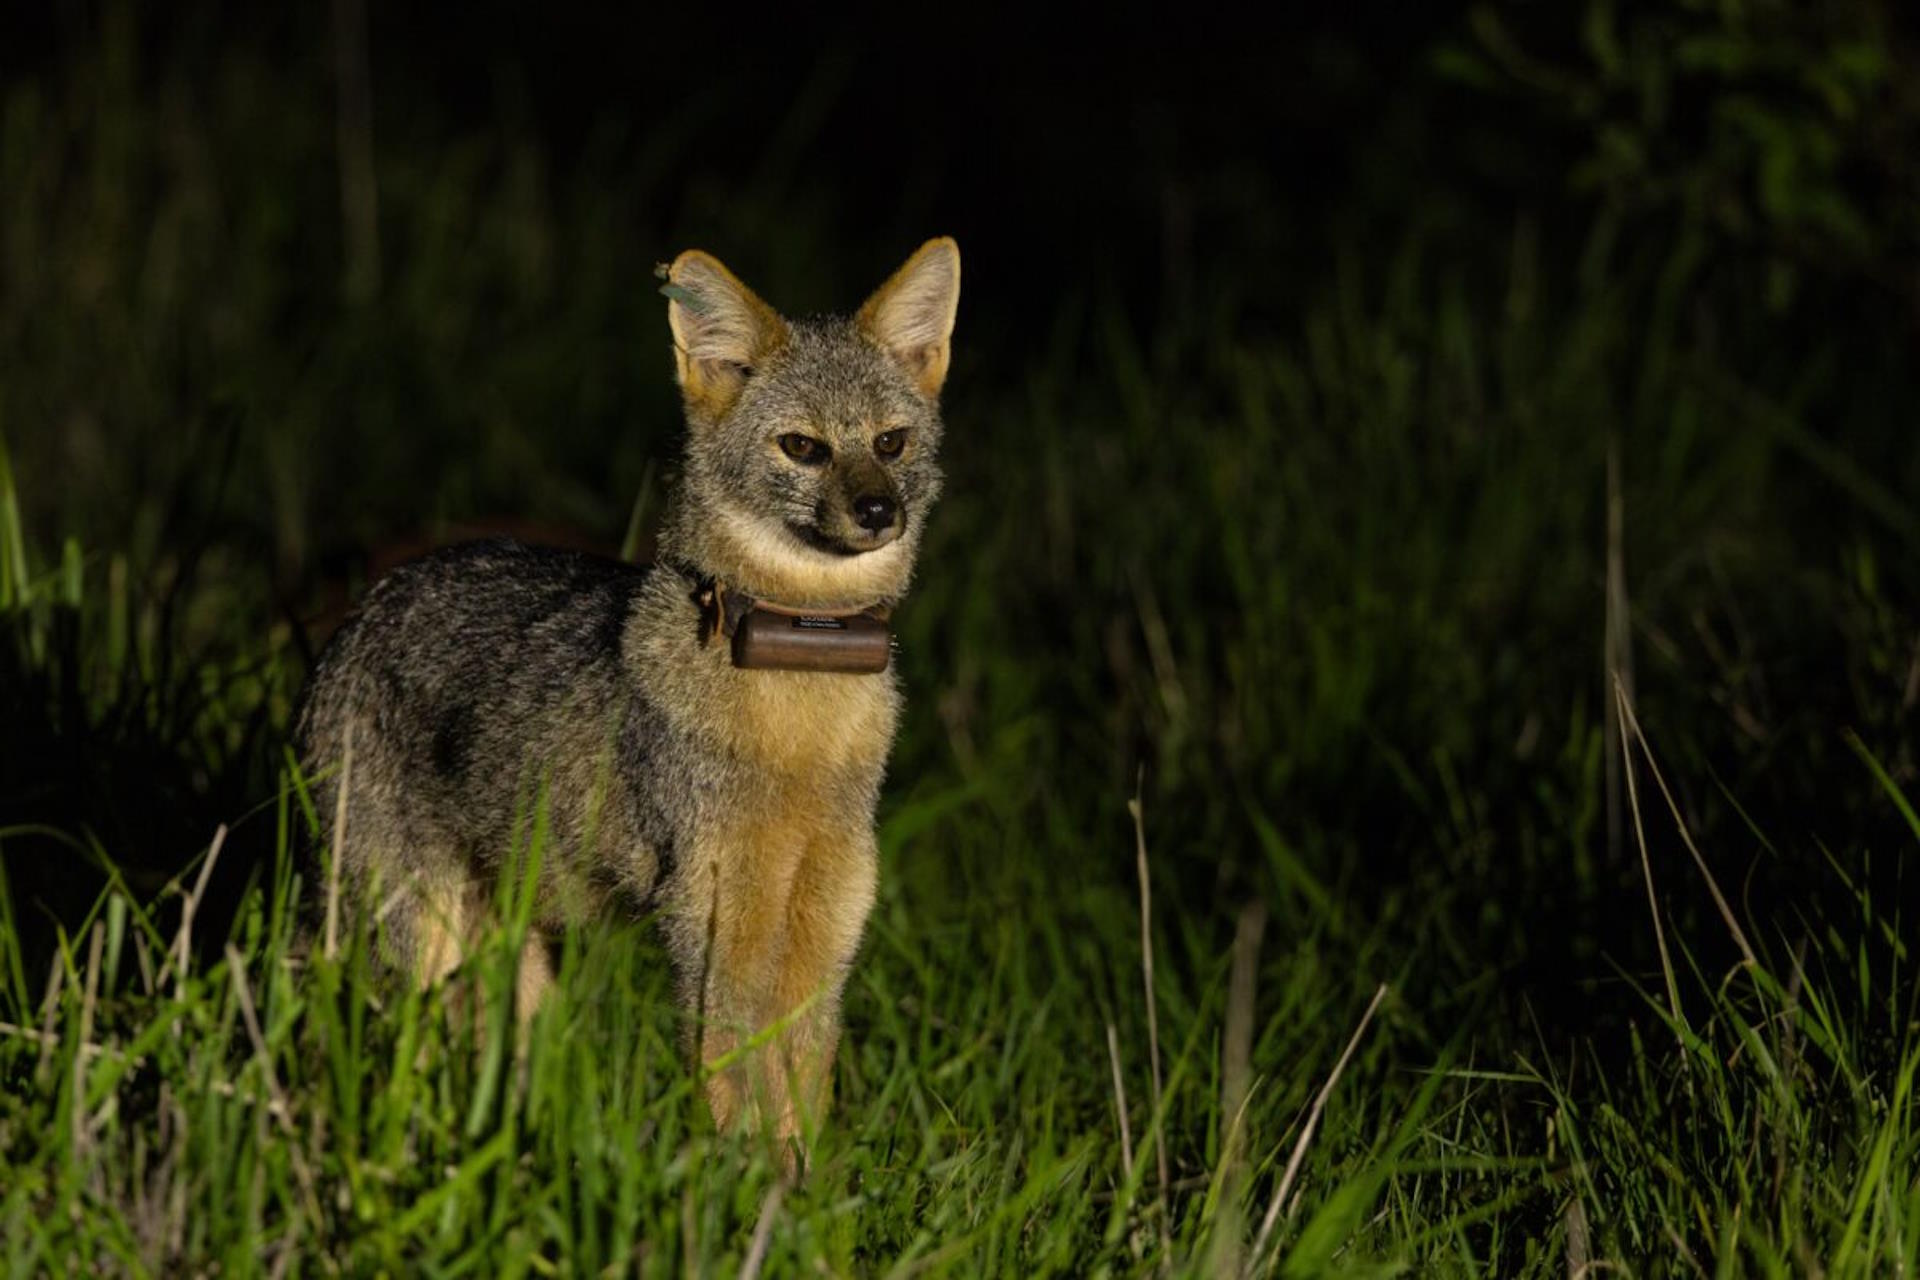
x=850, y=526
x=863, y=510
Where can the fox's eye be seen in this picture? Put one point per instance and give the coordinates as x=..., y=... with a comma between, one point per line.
x=888, y=444
x=805, y=448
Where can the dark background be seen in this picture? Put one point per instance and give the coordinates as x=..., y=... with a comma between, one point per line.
x=1084, y=149
x=1206, y=177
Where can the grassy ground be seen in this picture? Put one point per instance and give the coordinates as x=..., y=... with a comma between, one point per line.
x=1452, y=970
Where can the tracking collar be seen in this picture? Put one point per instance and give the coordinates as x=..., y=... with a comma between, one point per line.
x=767, y=636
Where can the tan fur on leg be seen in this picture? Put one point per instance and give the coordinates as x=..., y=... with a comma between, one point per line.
x=446, y=921
x=535, y=978
x=826, y=914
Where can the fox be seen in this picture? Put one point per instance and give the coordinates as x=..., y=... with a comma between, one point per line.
x=732, y=800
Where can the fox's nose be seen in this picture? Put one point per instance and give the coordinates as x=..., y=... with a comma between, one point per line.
x=874, y=513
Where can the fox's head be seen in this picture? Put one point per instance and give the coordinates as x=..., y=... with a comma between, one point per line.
x=812, y=444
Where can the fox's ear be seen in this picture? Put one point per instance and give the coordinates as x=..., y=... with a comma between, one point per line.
x=911, y=315
x=721, y=330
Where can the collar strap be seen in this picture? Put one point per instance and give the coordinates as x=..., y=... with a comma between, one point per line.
x=766, y=634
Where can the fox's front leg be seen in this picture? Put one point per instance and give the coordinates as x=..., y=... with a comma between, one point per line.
x=728, y=927
x=826, y=913
x=765, y=925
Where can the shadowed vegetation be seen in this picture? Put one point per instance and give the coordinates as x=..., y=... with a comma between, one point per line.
x=1592, y=361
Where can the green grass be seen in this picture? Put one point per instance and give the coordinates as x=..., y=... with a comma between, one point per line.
x=258, y=1106
x=263, y=1107
x=1329, y=595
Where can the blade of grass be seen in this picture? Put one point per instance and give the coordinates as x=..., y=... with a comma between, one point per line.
x=1300, y=1144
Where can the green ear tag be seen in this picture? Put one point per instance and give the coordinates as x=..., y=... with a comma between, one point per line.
x=682, y=295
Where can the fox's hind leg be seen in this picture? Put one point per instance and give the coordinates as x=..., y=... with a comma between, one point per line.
x=404, y=868
x=535, y=977
x=440, y=927
x=450, y=916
